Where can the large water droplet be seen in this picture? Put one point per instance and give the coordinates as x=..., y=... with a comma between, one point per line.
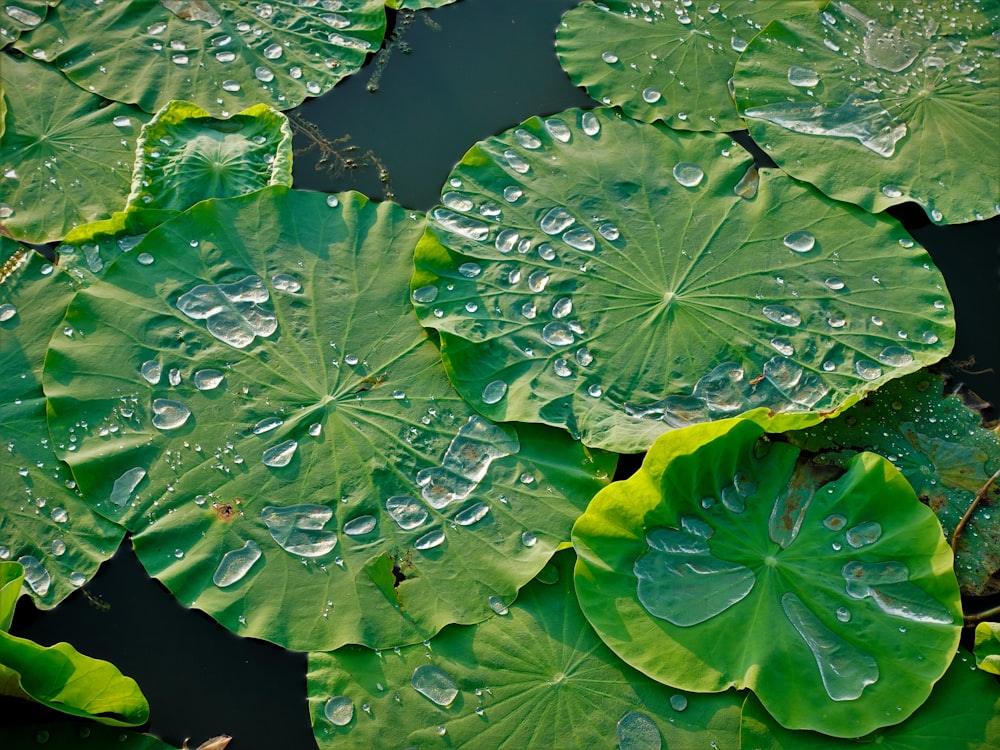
x=557, y=333
x=339, y=710
x=895, y=356
x=844, y=669
x=208, y=379
x=36, y=576
x=280, y=455
x=406, y=511
x=558, y=130
x=151, y=371
x=802, y=77
x=298, y=529
x=636, y=731
x=888, y=585
x=434, y=684
x=360, y=526
x=863, y=534
x=235, y=564
x=688, y=174
x=494, y=391
x=472, y=514
x=590, y=124
x=556, y=220
x=680, y=581
x=233, y=313
x=800, y=242
x=124, y=486
x=782, y=315
x=867, y=369
x=430, y=540
x=169, y=414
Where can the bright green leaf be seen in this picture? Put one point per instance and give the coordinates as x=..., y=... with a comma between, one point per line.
x=67, y=156
x=945, y=453
x=879, y=104
x=962, y=713
x=267, y=415
x=665, y=62
x=536, y=676
x=623, y=279
x=988, y=647
x=185, y=156
x=43, y=520
x=222, y=56
x=64, y=679
x=730, y=560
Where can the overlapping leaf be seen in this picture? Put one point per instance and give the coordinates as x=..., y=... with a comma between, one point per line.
x=222, y=56
x=20, y=16
x=879, y=104
x=67, y=157
x=962, y=713
x=666, y=61
x=623, y=279
x=59, y=676
x=988, y=647
x=184, y=156
x=728, y=560
x=535, y=676
x=943, y=451
x=44, y=522
x=253, y=397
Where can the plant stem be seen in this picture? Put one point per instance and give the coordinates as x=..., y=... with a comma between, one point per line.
x=980, y=497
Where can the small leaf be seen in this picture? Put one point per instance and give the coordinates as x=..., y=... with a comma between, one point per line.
x=728, y=560
x=534, y=676
x=988, y=647
x=863, y=99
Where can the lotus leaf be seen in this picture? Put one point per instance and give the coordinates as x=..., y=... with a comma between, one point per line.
x=21, y=16
x=285, y=439
x=63, y=735
x=962, y=713
x=44, y=522
x=222, y=56
x=943, y=451
x=66, y=156
x=534, y=676
x=988, y=648
x=183, y=156
x=730, y=560
x=665, y=61
x=62, y=678
x=417, y=4
x=879, y=105
x=623, y=279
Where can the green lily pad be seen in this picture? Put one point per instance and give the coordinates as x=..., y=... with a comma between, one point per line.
x=286, y=439
x=20, y=16
x=665, y=62
x=534, y=676
x=222, y=56
x=67, y=156
x=879, y=104
x=729, y=560
x=184, y=155
x=988, y=647
x=623, y=279
x=962, y=713
x=44, y=522
x=62, y=678
x=70, y=735
x=945, y=453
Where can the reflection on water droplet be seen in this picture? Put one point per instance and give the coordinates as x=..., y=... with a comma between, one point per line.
x=59, y=515
x=528, y=539
x=680, y=581
x=609, y=57
x=782, y=315
x=425, y=294
x=169, y=414
x=802, y=77
x=835, y=522
x=678, y=702
x=688, y=174
x=800, y=242
x=864, y=534
x=497, y=605
x=651, y=95
x=472, y=514
x=406, y=511
x=888, y=585
x=895, y=356
x=235, y=564
x=36, y=576
x=125, y=485
x=526, y=139
x=557, y=334
x=430, y=540
x=434, y=684
x=339, y=710
x=298, y=529
x=590, y=124
x=151, y=371
x=558, y=130
x=843, y=614
x=845, y=669
x=891, y=191
x=280, y=455
x=360, y=526
x=208, y=379
x=636, y=731
x=867, y=369
x=266, y=425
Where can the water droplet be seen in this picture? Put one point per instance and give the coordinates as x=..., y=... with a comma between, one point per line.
x=557, y=334
x=236, y=563
x=678, y=702
x=528, y=539
x=266, y=425
x=609, y=57
x=58, y=547
x=151, y=371
x=835, y=522
x=472, y=514
x=864, y=534
x=406, y=511
x=516, y=162
x=180, y=59
x=595, y=390
x=844, y=669
x=208, y=379
x=651, y=95
x=800, y=242
x=464, y=226
x=263, y=74
x=680, y=581
x=77, y=579
x=843, y=614
x=891, y=191
x=59, y=515
x=425, y=294
x=802, y=77
x=169, y=414
x=558, y=130
x=895, y=356
x=457, y=201
x=273, y=51
x=538, y=280
x=561, y=368
x=636, y=731
x=339, y=710
x=36, y=576
x=298, y=529
x=470, y=270
x=867, y=369
x=556, y=220
x=434, y=684
x=590, y=124
x=688, y=174
x=497, y=605
x=887, y=583
x=280, y=455
x=494, y=392
x=233, y=312
x=782, y=315
x=124, y=486
x=526, y=139
x=512, y=193
x=284, y=282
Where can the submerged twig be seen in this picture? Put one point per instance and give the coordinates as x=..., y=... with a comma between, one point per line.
x=980, y=497
x=978, y=617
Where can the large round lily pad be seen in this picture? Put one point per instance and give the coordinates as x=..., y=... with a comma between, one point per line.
x=730, y=560
x=67, y=157
x=944, y=452
x=962, y=713
x=879, y=103
x=623, y=279
x=665, y=61
x=535, y=676
x=253, y=397
x=222, y=56
x=44, y=522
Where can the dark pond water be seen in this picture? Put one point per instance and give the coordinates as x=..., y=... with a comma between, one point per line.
x=472, y=69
